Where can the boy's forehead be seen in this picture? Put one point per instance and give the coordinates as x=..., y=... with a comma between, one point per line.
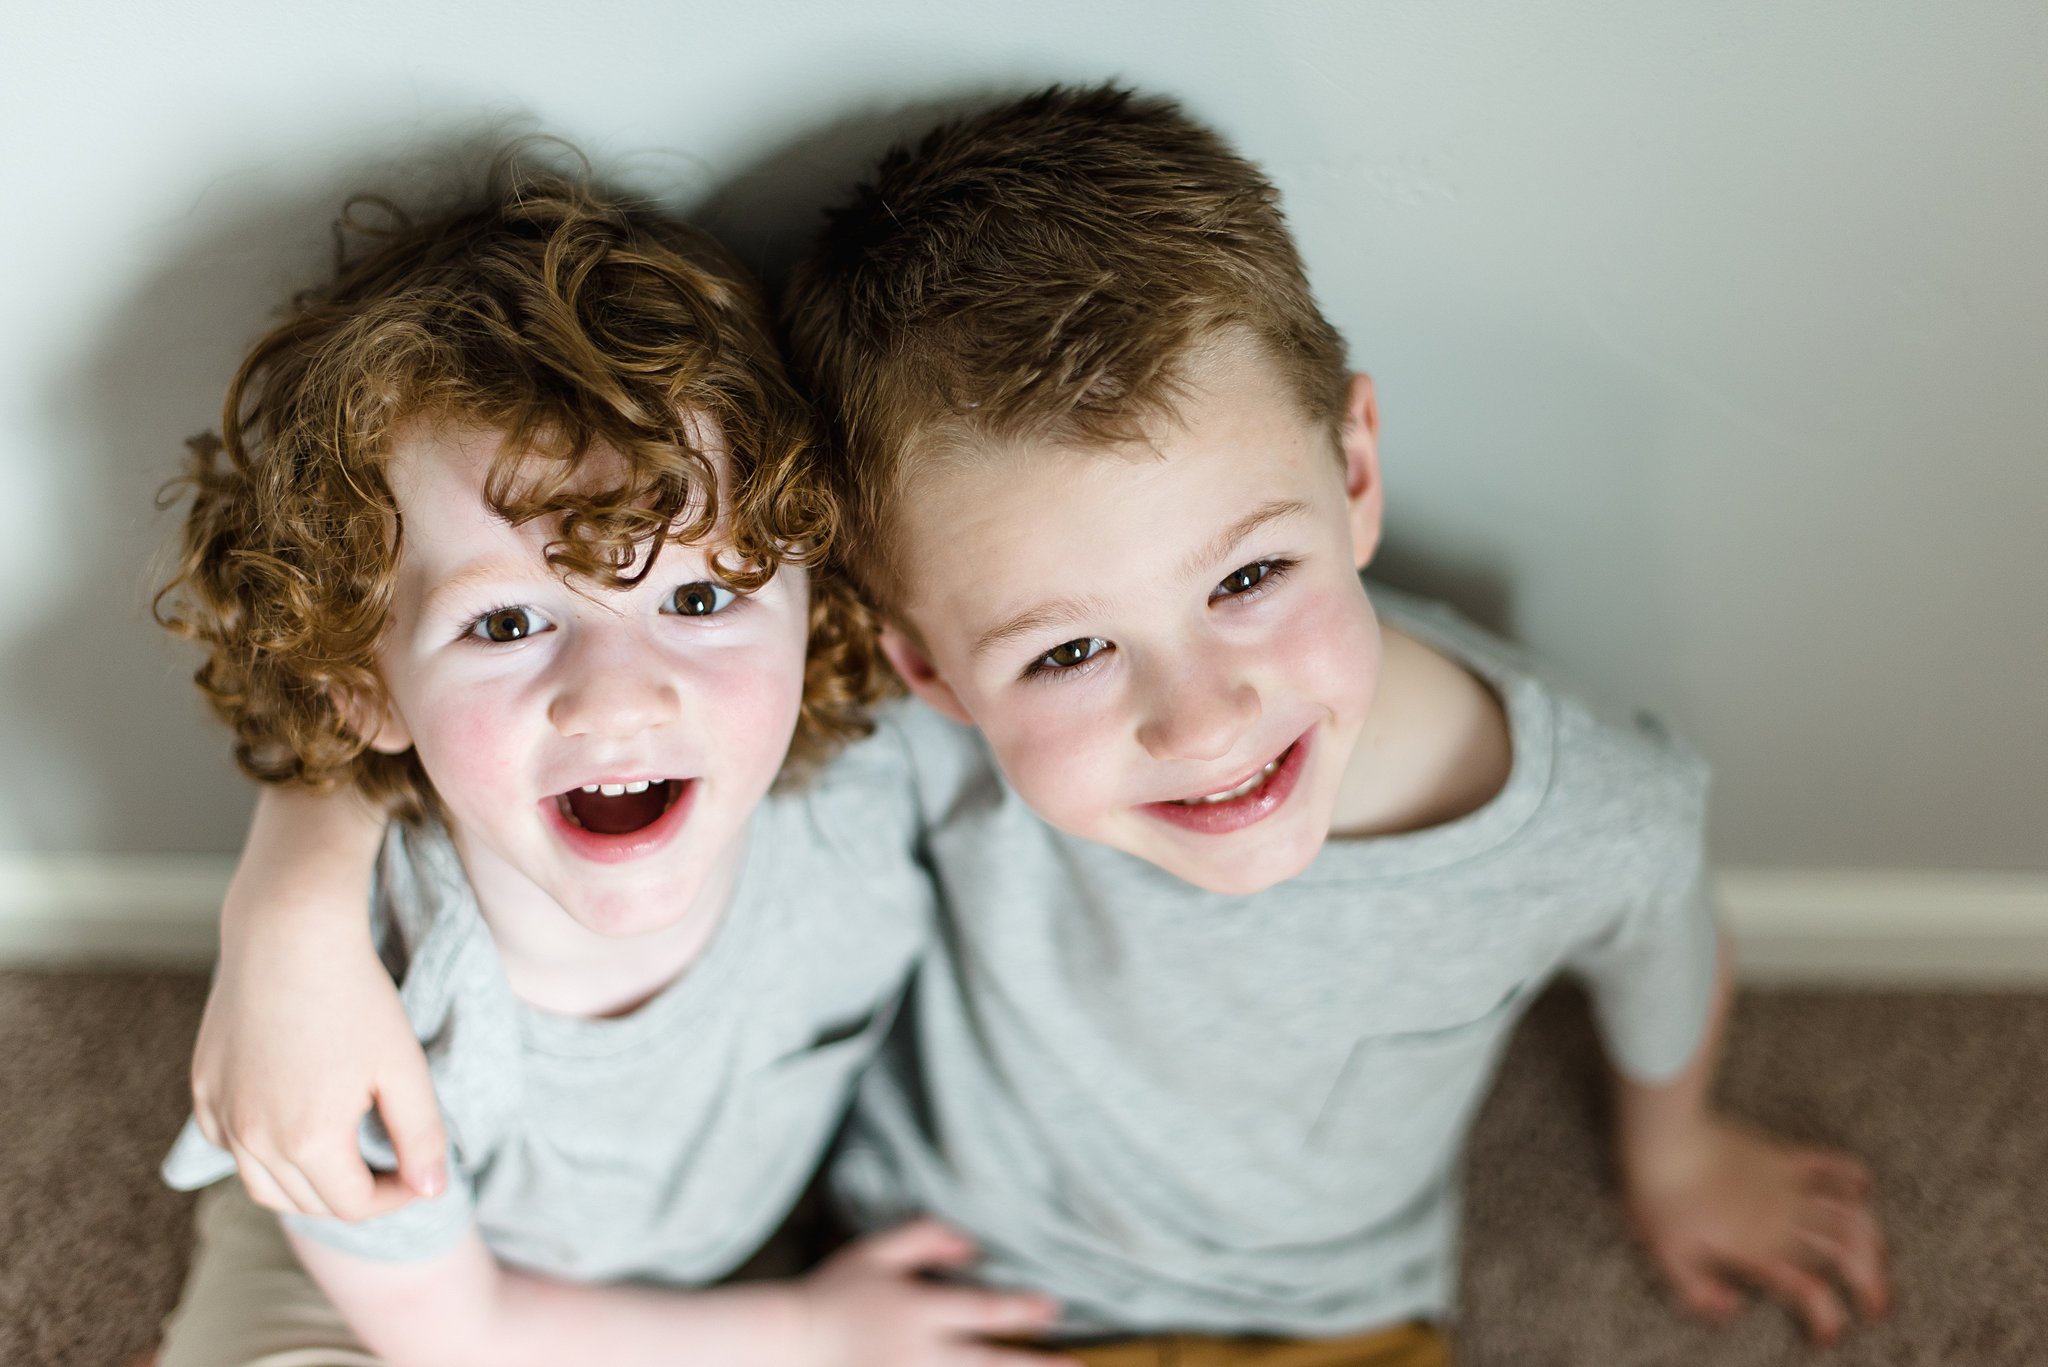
x=441, y=471
x=453, y=459
x=1009, y=525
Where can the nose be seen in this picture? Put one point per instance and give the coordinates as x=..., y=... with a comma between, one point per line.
x=610, y=684
x=1197, y=706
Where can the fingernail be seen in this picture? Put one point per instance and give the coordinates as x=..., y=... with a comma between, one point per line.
x=432, y=1182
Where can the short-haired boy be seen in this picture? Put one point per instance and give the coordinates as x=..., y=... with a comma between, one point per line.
x=1228, y=959
x=508, y=530
x=1202, y=1056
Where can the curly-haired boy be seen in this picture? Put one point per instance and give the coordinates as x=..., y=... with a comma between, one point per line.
x=508, y=530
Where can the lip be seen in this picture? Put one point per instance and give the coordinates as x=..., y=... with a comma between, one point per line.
x=621, y=849
x=1221, y=818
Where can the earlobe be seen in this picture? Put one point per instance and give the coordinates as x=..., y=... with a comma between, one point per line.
x=1363, y=494
x=377, y=722
x=919, y=675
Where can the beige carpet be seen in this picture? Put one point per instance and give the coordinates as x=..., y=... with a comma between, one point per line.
x=1941, y=1093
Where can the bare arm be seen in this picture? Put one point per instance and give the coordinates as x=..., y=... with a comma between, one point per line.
x=1720, y=1203
x=303, y=1030
x=868, y=1307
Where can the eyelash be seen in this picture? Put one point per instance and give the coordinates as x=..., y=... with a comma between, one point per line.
x=472, y=630
x=1275, y=570
x=1040, y=669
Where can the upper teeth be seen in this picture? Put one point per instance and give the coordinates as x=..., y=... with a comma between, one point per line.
x=640, y=785
x=1239, y=791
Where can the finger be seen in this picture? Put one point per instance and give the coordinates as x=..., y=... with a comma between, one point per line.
x=1844, y=1239
x=389, y=1192
x=1862, y=1264
x=340, y=1178
x=257, y=1181
x=285, y=1180
x=412, y=1117
x=1700, y=1290
x=1837, y=1174
x=292, y=1179
x=208, y=1121
x=915, y=1247
x=1807, y=1295
x=992, y=1314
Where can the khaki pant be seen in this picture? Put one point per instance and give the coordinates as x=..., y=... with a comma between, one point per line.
x=247, y=1302
x=1411, y=1345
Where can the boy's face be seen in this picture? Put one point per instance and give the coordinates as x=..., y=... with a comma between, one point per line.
x=1169, y=649
x=526, y=696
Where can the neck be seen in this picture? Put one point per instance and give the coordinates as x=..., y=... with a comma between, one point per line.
x=558, y=965
x=1435, y=746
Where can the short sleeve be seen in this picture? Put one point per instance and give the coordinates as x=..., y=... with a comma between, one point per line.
x=1651, y=968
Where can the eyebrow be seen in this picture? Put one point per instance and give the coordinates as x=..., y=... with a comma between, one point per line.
x=1241, y=530
x=1037, y=618
x=474, y=575
x=1033, y=620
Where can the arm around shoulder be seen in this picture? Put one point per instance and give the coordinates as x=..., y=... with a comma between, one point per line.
x=303, y=1030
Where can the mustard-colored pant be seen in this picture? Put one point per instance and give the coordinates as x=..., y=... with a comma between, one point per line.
x=1410, y=1345
x=248, y=1303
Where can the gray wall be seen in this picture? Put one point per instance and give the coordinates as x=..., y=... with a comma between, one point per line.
x=1712, y=339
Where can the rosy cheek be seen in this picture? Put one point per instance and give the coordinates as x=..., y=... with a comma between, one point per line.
x=1056, y=759
x=1335, y=647
x=749, y=702
x=473, y=750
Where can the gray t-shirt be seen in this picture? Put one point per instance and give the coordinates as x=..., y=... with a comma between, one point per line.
x=1176, y=1110
x=666, y=1144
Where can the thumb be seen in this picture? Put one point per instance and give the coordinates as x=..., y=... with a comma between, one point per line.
x=918, y=1246
x=412, y=1117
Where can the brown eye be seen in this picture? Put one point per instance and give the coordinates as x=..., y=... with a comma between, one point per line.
x=508, y=624
x=1243, y=578
x=700, y=599
x=1070, y=653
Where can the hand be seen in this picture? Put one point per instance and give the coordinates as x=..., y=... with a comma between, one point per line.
x=302, y=1034
x=868, y=1306
x=1734, y=1205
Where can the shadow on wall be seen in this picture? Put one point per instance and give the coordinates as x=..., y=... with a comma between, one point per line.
x=1479, y=591
x=98, y=697
x=102, y=696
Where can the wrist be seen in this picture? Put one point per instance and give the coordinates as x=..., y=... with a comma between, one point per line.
x=1667, y=1150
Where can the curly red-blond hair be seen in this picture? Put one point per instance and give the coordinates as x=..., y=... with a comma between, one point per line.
x=566, y=319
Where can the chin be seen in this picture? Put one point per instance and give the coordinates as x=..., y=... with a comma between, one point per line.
x=627, y=917
x=1235, y=873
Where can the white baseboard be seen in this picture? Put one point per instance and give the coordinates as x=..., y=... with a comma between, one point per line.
x=1861, y=928
x=1927, y=928
x=110, y=910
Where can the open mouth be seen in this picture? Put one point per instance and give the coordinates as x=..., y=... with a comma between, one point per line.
x=1244, y=789
x=618, y=808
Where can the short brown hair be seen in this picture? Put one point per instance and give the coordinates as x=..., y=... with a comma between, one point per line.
x=563, y=317
x=1044, y=270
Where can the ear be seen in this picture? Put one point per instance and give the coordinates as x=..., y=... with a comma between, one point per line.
x=377, y=721
x=1360, y=443
x=920, y=675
